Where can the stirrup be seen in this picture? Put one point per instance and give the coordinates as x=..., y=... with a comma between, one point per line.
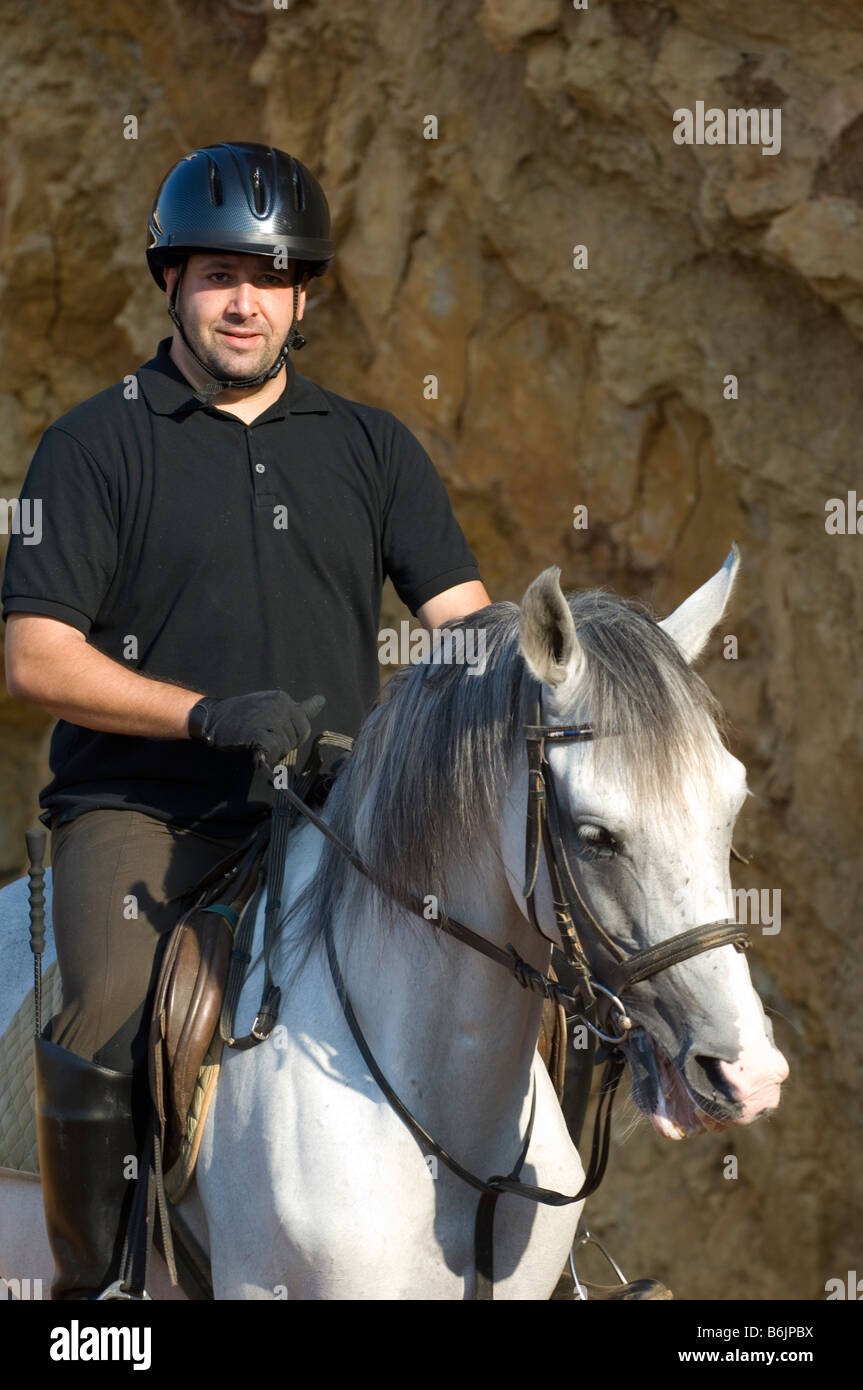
x=117, y=1290
x=624, y=1290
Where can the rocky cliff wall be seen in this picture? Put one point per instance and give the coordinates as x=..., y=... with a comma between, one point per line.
x=605, y=386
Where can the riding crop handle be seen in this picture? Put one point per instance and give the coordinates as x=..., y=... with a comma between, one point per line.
x=36, y=841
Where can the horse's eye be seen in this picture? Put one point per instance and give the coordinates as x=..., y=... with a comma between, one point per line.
x=596, y=842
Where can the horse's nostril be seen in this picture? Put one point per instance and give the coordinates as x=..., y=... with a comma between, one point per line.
x=718, y=1086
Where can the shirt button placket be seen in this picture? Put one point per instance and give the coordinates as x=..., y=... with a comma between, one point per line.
x=258, y=468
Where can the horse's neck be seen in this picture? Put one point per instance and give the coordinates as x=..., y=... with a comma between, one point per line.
x=443, y=1020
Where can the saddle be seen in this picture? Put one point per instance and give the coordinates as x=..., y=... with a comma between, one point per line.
x=183, y=1051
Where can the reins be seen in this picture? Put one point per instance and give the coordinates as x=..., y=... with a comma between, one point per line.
x=543, y=833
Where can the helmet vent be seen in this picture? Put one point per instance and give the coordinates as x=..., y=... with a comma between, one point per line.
x=217, y=197
x=258, y=191
x=299, y=190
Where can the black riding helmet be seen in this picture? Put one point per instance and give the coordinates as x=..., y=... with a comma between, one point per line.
x=245, y=198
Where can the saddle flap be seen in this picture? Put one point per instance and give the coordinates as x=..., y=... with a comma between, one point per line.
x=189, y=995
x=193, y=1000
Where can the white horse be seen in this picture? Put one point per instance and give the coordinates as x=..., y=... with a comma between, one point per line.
x=309, y=1185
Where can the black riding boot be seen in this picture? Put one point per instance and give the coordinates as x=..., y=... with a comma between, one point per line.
x=86, y=1137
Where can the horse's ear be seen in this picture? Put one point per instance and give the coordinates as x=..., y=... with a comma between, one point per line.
x=692, y=623
x=548, y=641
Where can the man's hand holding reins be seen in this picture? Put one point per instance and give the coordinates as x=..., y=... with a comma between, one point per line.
x=267, y=722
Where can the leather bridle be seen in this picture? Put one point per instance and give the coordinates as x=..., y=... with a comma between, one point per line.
x=575, y=923
x=544, y=830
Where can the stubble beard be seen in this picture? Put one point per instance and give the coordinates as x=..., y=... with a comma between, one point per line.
x=223, y=362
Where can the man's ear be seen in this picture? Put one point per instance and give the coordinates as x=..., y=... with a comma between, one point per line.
x=170, y=273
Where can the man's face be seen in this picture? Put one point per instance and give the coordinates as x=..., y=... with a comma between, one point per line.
x=236, y=310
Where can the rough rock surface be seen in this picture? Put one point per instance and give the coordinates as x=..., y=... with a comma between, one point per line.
x=602, y=386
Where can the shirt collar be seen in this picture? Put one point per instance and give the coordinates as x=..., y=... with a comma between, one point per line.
x=167, y=391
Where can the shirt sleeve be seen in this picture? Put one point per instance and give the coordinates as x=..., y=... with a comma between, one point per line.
x=63, y=548
x=424, y=548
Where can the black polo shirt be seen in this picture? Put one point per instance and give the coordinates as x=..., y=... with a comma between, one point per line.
x=226, y=558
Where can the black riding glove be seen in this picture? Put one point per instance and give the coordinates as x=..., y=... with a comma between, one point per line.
x=268, y=722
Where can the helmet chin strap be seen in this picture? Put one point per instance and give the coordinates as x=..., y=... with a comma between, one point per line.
x=221, y=383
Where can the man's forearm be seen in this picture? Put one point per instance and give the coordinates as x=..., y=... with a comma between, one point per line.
x=83, y=686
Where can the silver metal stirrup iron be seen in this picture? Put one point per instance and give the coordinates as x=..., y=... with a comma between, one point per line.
x=587, y=1239
x=117, y=1291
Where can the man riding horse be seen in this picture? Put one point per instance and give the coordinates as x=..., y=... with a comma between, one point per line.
x=217, y=530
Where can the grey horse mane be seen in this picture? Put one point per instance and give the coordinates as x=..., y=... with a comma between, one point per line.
x=429, y=769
